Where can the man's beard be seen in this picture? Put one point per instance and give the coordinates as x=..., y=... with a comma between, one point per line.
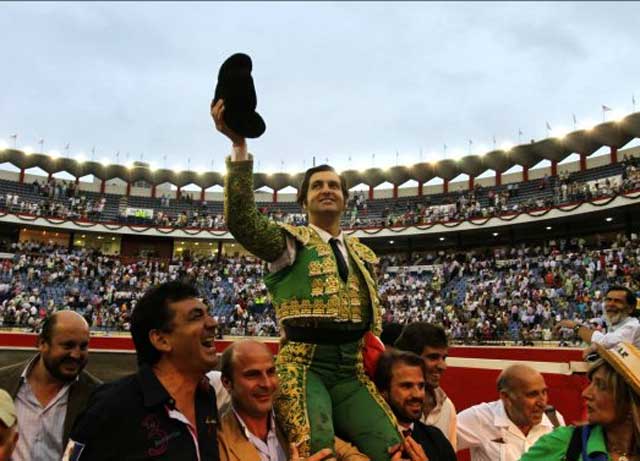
x=615, y=318
x=54, y=368
x=402, y=415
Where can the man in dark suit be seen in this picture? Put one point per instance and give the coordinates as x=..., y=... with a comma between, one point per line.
x=51, y=388
x=400, y=377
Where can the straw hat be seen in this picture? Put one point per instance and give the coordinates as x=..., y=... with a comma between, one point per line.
x=7, y=409
x=625, y=359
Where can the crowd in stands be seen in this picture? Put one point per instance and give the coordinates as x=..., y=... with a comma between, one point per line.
x=63, y=199
x=515, y=293
x=57, y=199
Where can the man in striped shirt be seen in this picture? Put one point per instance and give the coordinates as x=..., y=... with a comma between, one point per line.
x=51, y=388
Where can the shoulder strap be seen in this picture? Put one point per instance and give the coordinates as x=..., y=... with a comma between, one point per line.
x=550, y=411
x=575, y=445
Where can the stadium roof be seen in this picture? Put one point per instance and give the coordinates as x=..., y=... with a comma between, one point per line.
x=614, y=134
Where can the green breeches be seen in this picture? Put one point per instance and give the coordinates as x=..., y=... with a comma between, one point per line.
x=324, y=392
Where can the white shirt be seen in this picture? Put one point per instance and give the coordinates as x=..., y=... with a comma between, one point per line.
x=271, y=450
x=223, y=399
x=628, y=331
x=443, y=416
x=40, y=427
x=491, y=436
x=289, y=255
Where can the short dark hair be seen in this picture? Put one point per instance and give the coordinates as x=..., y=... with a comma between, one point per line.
x=386, y=362
x=390, y=333
x=304, y=186
x=226, y=362
x=152, y=312
x=416, y=336
x=46, y=331
x=630, y=296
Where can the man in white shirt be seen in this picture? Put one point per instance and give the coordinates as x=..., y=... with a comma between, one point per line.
x=619, y=306
x=430, y=342
x=505, y=429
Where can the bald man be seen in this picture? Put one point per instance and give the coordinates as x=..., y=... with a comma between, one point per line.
x=505, y=429
x=51, y=389
x=248, y=429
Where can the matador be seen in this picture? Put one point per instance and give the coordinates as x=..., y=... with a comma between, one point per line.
x=323, y=288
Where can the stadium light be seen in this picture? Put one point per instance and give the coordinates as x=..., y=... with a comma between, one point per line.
x=506, y=146
x=391, y=242
x=549, y=228
x=559, y=133
x=587, y=125
x=495, y=234
x=442, y=239
x=609, y=219
x=617, y=116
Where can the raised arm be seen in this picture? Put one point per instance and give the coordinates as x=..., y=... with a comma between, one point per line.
x=251, y=229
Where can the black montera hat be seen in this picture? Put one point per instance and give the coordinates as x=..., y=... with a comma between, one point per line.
x=235, y=86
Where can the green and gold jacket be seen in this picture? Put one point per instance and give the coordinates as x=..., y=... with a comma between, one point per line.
x=309, y=292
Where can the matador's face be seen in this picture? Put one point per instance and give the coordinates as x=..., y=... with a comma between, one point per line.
x=325, y=194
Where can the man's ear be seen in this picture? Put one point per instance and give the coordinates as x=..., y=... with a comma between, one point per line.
x=226, y=382
x=41, y=344
x=159, y=340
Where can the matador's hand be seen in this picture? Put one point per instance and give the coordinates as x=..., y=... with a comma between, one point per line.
x=217, y=114
x=323, y=455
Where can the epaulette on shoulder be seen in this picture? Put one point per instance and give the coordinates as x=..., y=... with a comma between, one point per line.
x=300, y=233
x=363, y=251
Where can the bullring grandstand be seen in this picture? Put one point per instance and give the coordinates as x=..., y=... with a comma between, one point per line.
x=492, y=258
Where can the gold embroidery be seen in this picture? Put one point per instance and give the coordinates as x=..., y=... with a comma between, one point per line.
x=323, y=250
x=364, y=252
x=300, y=233
x=332, y=285
x=305, y=307
x=290, y=405
x=328, y=266
x=315, y=268
x=317, y=287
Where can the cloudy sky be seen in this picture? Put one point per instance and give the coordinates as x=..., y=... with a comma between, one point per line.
x=359, y=84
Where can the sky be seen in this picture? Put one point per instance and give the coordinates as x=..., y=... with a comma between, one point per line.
x=359, y=85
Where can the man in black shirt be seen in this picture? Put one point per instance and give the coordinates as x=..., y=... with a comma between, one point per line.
x=400, y=378
x=167, y=410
